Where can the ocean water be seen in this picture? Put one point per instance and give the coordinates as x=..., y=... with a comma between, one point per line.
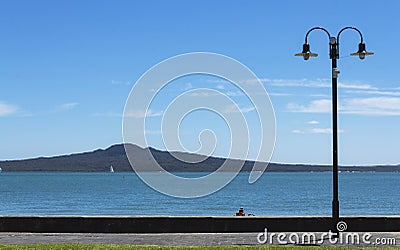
x=125, y=194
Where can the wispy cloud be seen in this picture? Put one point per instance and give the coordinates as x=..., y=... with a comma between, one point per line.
x=220, y=86
x=379, y=106
x=187, y=86
x=317, y=83
x=234, y=93
x=317, y=106
x=203, y=93
x=319, y=95
x=355, y=86
x=220, y=81
x=315, y=131
x=7, y=109
x=235, y=109
x=142, y=113
x=279, y=94
x=313, y=122
x=68, y=106
x=206, y=93
x=374, y=92
x=255, y=81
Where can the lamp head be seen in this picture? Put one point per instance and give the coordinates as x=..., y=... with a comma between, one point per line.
x=362, y=52
x=306, y=53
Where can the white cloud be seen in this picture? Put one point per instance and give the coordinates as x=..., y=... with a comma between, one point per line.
x=315, y=131
x=246, y=109
x=142, y=113
x=381, y=106
x=234, y=93
x=317, y=83
x=279, y=94
x=187, y=86
x=317, y=106
x=7, y=109
x=202, y=93
x=220, y=86
x=265, y=80
x=356, y=86
x=234, y=109
x=68, y=106
x=313, y=122
x=374, y=92
x=319, y=95
x=205, y=93
x=372, y=106
x=217, y=81
x=253, y=82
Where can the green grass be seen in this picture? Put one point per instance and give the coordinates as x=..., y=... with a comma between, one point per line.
x=135, y=247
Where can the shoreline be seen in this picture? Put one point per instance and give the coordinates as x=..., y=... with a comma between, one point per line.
x=267, y=171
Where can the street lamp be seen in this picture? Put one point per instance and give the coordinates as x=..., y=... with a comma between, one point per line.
x=334, y=55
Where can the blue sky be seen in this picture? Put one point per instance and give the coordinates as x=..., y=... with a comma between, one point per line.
x=67, y=68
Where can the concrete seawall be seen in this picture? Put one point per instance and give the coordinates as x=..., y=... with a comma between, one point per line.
x=191, y=224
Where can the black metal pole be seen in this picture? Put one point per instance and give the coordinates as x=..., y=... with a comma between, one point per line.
x=335, y=73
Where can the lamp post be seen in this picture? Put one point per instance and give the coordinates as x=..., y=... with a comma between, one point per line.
x=334, y=55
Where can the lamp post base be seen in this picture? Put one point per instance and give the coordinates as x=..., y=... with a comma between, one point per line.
x=335, y=218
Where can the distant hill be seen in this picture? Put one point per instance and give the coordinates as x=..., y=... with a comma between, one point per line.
x=101, y=159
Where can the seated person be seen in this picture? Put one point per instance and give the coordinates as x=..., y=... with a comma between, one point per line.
x=241, y=212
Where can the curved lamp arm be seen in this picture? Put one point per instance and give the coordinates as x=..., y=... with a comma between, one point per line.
x=362, y=52
x=353, y=28
x=316, y=28
x=306, y=53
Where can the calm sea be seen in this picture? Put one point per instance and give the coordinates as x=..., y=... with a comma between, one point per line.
x=125, y=194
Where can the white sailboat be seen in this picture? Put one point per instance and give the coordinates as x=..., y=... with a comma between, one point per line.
x=1, y=169
x=111, y=169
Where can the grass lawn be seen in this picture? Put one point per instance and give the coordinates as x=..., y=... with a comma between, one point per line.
x=135, y=247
